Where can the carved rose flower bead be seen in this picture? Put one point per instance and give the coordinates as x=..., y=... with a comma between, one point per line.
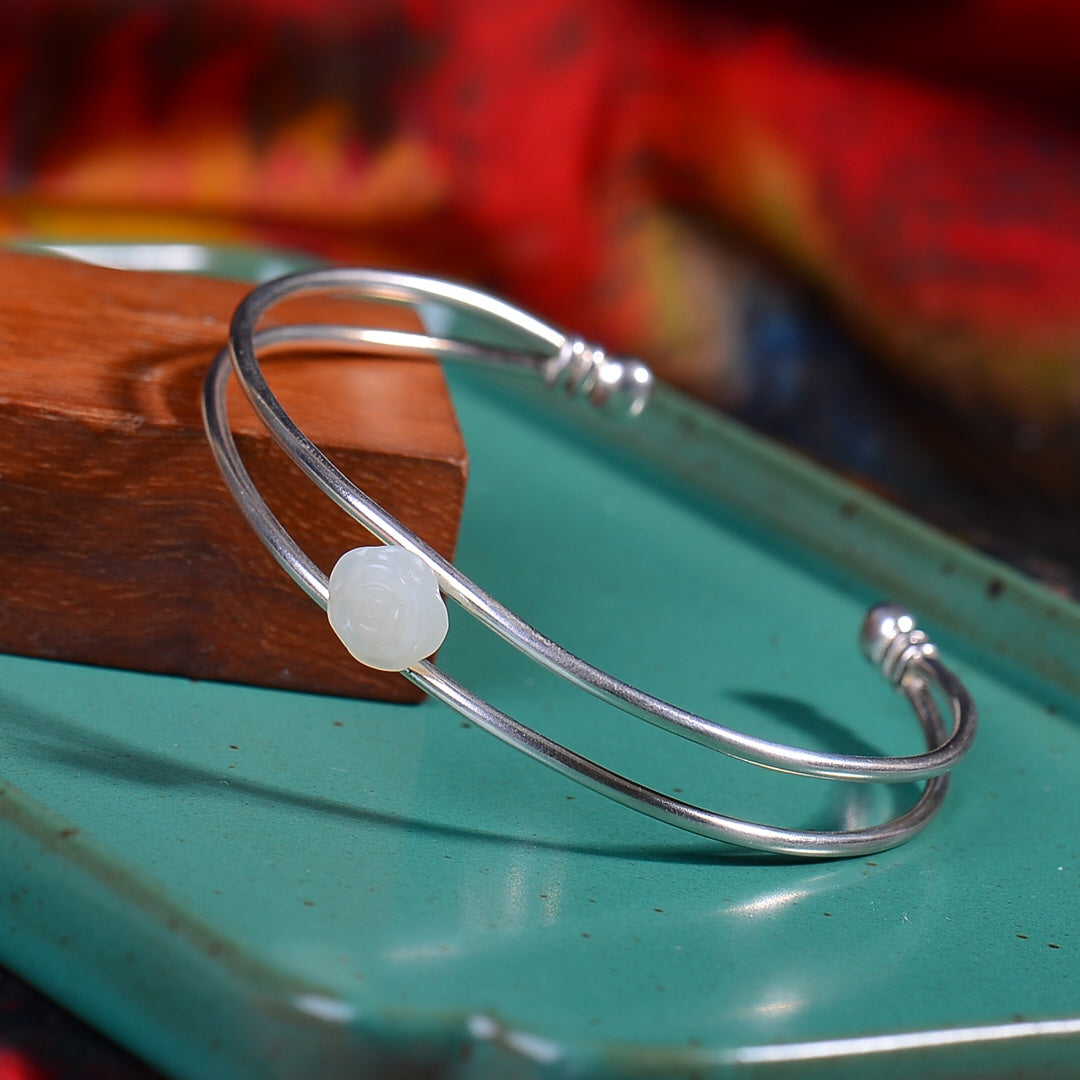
x=386, y=608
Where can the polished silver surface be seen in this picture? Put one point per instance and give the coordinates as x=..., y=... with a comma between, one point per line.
x=889, y=637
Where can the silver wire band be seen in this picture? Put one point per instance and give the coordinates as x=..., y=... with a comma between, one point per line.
x=907, y=659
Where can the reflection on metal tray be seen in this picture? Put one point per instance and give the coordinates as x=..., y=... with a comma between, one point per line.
x=241, y=883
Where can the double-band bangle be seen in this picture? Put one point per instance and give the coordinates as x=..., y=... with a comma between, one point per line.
x=409, y=579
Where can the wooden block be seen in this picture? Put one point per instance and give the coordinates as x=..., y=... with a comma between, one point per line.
x=119, y=543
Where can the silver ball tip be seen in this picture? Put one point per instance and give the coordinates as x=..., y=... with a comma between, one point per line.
x=883, y=624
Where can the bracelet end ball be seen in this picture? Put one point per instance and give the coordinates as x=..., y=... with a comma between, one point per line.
x=623, y=387
x=890, y=639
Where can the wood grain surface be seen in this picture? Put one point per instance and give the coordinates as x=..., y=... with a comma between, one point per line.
x=119, y=544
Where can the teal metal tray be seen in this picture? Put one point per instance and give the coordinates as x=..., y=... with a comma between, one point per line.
x=242, y=883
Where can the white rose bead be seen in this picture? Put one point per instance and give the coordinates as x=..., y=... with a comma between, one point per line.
x=386, y=608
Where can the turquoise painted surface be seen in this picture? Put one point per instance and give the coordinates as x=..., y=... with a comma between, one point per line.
x=243, y=883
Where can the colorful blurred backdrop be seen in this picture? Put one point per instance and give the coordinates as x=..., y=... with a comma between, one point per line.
x=854, y=225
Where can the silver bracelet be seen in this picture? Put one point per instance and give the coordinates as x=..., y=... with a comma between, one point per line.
x=386, y=603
